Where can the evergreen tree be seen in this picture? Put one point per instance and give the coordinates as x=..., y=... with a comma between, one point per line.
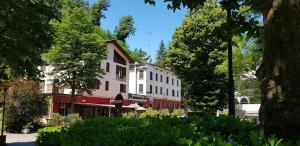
x=161, y=54
x=139, y=55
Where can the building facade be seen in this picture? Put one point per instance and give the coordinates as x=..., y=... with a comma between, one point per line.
x=115, y=81
x=159, y=87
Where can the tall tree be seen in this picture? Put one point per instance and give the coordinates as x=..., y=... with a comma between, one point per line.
x=139, y=55
x=280, y=69
x=196, y=51
x=125, y=28
x=25, y=33
x=77, y=51
x=161, y=54
x=97, y=11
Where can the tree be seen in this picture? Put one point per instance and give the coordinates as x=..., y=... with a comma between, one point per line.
x=125, y=28
x=77, y=51
x=24, y=34
x=279, y=71
x=161, y=54
x=25, y=104
x=139, y=55
x=196, y=51
x=97, y=11
x=247, y=54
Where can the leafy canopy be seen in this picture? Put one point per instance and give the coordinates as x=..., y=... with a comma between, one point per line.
x=25, y=33
x=125, y=28
x=78, y=49
x=196, y=51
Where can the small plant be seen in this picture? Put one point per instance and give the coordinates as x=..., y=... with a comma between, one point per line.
x=177, y=113
x=130, y=115
x=56, y=120
x=71, y=119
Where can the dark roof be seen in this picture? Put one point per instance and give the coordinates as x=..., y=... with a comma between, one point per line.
x=121, y=49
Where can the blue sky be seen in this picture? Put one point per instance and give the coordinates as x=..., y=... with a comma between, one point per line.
x=153, y=24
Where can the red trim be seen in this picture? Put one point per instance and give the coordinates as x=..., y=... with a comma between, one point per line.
x=57, y=99
x=164, y=103
x=121, y=49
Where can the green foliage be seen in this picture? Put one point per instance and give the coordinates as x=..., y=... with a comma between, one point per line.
x=139, y=55
x=78, y=49
x=25, y=33
x=130, y=115
x=247, y=57
x=149, y=113
x=177, y=113
x=59, y=120
x=71, y=119
x=25, y=105
x=161, y=54
x=56, y=120
x=196, y=131
x=125, y=28
x=97, y=11
x=196, y=50
x=50, y=136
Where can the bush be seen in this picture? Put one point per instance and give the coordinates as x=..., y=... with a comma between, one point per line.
x=165, y=131
x=59, y=120
x=56, y=120
x=71, y=119
x=177, y=113
x=50, y=136
x=25, y=104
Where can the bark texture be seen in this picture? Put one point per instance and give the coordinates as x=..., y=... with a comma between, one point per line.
x=280, y=70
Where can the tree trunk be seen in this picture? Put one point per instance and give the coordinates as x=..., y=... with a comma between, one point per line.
x=280, y=70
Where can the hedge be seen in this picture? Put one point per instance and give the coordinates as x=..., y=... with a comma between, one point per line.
x=153, y=131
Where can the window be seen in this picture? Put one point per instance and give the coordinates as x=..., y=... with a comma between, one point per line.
x=161, y=78
x=141, y=88
x=151, y=74
x=172, y=81
x=97, y=84
x=167, y=91
x=141, y=74
x=150, y=88
x=120, y=72
x=118, y=58
x=177, y=82
x=177, y=93
x=106, y=85
x=122, y=88
x=156, y=77
x=167, y=80
x=156, y=88
x=107, y=67
x=161, y=90
x=173, y=93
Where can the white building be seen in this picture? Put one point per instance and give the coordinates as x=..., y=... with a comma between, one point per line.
x=114, y=81
x=159, y=86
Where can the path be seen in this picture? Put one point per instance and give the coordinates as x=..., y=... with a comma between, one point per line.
x=20, y=139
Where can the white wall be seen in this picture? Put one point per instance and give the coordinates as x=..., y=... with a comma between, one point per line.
x=147, y=82
x=114, y=84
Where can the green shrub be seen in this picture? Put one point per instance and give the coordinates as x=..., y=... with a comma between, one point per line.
x=50, y=136
x=177, y=113
x=130, y=115
x=161, y=130
x=71, y=119
x=56, y=120
x=149, y=113
x=59, y=120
